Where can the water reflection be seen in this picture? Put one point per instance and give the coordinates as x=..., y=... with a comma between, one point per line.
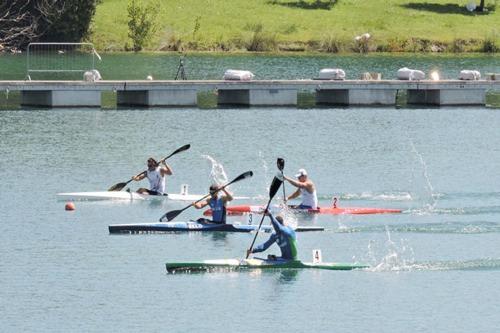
x=218, y=236
x=287, y=276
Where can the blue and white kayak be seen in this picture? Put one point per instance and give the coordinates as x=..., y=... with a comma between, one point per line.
x=160, y=227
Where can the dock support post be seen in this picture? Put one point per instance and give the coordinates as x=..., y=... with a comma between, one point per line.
x=447, y=97
x=356, y=97
x=61, y=98
x=273, y=97
x=332, y=97
x=239, y=97
x=171, y=97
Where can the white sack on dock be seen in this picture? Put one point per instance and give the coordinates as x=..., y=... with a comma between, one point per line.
x=238, y=75
x=469, y=75
x=331, y=74
x=410, y=74
x=92, y=76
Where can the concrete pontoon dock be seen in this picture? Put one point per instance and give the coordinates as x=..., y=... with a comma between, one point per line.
x=251, y=93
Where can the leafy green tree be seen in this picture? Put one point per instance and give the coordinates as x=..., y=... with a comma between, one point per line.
x=141, y=23
x=72, y=22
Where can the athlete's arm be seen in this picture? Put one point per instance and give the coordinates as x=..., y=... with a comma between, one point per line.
x=167, y=170
x=139, y=177
x=308, y=185
x=264, y=246
x=293, y=195
x=276, y=225
x=228, y=195
x=201, y=204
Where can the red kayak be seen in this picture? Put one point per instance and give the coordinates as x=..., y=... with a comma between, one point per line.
x=333, y=210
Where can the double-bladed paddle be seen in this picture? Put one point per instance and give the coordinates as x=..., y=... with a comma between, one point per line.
x=169, y=216
x=281, y=165
x=275, y=186
x=120, y=186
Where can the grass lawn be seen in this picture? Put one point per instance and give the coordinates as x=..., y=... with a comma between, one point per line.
x=395, y=25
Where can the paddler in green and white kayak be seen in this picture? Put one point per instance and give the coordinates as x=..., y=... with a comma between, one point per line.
x=217, y=203
x=156, y=175
x=305, y=189
x=284, y=236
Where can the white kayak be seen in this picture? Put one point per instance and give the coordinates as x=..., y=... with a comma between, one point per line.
x=124, y=195
x=131, y=196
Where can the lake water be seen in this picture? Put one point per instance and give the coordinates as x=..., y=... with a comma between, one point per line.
x=435, y=267
x=164, y=66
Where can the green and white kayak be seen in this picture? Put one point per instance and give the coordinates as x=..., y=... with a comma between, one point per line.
x=255, y=263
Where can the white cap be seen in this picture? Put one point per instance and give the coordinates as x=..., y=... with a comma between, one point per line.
x=302, y=172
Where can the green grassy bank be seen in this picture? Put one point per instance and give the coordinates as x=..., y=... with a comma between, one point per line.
x=307, y=25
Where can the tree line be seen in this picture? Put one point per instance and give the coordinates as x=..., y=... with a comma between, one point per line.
x=26, y=21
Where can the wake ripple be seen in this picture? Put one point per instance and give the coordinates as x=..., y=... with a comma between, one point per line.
x=455, y=210
x=407, y=196
x=369, y=196
x=479, y=227
x=486, y=264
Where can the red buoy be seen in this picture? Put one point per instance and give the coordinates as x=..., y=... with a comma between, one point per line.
x=69, y=206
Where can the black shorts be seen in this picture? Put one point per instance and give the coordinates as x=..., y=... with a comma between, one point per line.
x=153, y=192
x=207, y=221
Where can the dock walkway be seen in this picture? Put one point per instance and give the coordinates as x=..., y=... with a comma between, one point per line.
x=251, y=93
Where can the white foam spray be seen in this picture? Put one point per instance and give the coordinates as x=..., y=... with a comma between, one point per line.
x=397, y=257
x=428, y=195
x=217, y=174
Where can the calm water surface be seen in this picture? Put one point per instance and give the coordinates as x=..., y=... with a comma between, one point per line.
x=435, y=267
x=164, y=66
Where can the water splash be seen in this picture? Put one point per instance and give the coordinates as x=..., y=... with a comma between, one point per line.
x=217, y=174
x=265, y=169
x=428, y=196
x=289, y=215
x=398, y=257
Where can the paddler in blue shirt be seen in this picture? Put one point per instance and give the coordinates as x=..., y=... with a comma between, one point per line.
x=217, y=204
x=284, y=236
x=305, y=189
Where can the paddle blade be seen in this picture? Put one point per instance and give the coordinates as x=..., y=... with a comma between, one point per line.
x=275, y=186
x=181, y=149
x=169, y=216
x=244, y=175
x=281, y=163
x=117, y=187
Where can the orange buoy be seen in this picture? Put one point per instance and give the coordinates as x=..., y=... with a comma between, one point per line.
x=69, y=206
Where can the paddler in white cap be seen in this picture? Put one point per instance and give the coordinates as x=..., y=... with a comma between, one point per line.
x=305, y=189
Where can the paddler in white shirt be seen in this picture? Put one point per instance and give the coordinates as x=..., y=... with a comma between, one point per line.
x=305, y=189
x=156, y=175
